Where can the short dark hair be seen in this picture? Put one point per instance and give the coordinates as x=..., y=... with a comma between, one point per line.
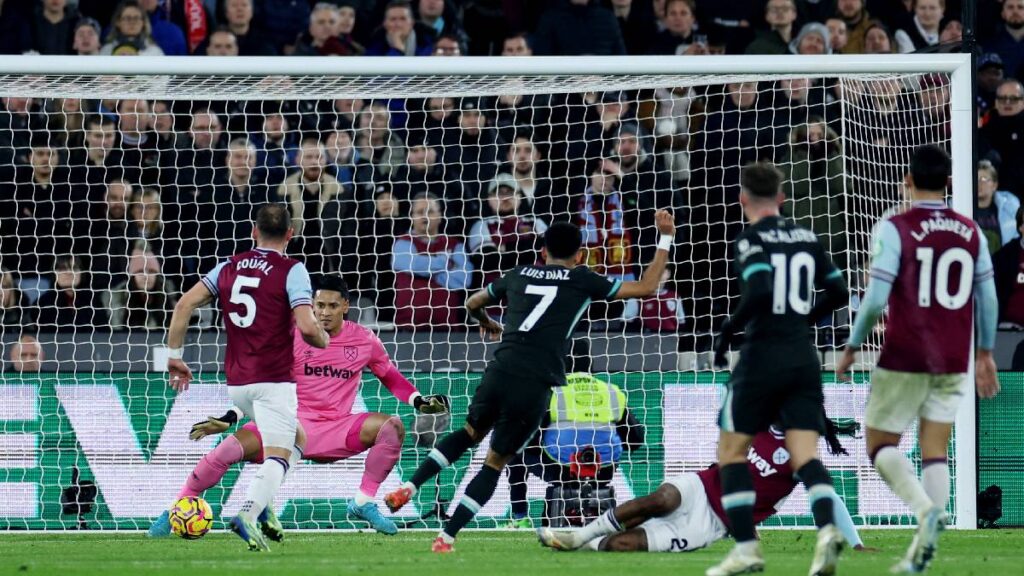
x=761, y=180
x=273, y=221
x=563, y=240
x=930, y=167
x=1020, y=216
x=98, y=119
x=332, y=283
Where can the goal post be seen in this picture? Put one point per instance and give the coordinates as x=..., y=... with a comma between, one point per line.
x=98, y=416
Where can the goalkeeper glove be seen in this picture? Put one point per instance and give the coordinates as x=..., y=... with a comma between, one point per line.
x=213, y=425
x=432, y=404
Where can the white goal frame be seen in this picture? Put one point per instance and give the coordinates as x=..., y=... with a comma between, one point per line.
x=33, y=73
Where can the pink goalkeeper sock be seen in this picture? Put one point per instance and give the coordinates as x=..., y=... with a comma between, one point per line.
x=212, y=467
x=383, y=456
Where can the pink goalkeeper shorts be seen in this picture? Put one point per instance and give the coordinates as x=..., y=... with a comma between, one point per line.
x=326, y=440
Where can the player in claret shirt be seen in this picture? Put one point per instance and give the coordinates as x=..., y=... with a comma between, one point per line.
x=327, y=383
x=685, y=513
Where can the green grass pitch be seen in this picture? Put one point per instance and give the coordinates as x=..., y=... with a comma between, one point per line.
x=788, y=552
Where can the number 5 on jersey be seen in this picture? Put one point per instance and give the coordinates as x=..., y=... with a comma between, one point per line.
x=243, y=299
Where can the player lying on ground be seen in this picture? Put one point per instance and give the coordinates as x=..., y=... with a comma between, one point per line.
x=544, y=305
x=327, y=383
x=266, y=297
x=932, y=267
x=685, y=513
x=778, y=376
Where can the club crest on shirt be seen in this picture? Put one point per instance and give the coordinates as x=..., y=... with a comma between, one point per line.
x=350, y=352
x=308, y=353
x=780, y=457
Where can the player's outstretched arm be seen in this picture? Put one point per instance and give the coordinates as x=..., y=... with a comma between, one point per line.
x=311, y=330
x=180, y=374
x=476, y=307
x=986, y=314
x=648, y=283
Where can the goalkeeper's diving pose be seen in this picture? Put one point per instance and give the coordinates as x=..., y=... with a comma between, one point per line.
x=326, y=385
x=685, y=513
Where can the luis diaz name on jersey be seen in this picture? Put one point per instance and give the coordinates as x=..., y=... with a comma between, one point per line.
x=560, y=274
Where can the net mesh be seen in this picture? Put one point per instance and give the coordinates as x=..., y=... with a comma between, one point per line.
x=119, y=192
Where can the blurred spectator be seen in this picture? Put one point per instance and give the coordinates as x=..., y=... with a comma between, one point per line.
x=136, y=152
x=677, y=37
x=504, y=238
x=1004, y=132
x=990, y=76
x=1009, y=268
x=400, y=35
x=320, y=208
x=434, y=14
x=858, y=21
x=375, y=140
x=15, y=27
x=837, y=34
x=71, y=305
x=813, y=39
x=275, y=146
x=282, y=21
x=66, y=122
x=469, y=153
x=239, y=20
x=637, y=24
x=663, y=312
x=53, y=27
x=997, y=209
x=431, y=270
x=952, y=31
x=130, y=33
x=877, y=40
x=780, y=16
x=342, y=113
x=146, y=228
x=197, y=164
x=167, y=35
x=1008, y=41
x=814, y=186
x=145, y=300
x=237, y=196
x=734, y=19
x=923, y=29
x=607, y=237
x=345, y=29
x=431, y=119
x=672, y=131
x=525, y=164
x=578, y=27
x=12, y=306
x=86, y=41
x=516, y=45
x=375, y=242
x=47, y=216
x=515, y=114
x=448, y=45
x=222, y=43
x=320, y=39
x=644, y=189
x=18, y=121
x=420, y=174
x=344, y=161
x=26, y=355
x=110, y=235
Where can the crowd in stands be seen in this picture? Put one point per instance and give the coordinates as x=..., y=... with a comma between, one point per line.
x=109, y=208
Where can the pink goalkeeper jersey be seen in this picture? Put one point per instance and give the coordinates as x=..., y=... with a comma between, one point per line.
x=327, y=380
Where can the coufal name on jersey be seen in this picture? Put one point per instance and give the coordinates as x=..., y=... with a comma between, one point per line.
x=787, y=236
x=255, y=264
x=763, y=466
x=328, y=370
x=539, y=274
x=940, y=223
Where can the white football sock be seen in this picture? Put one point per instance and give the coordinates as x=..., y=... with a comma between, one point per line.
x=263, y=488
x=935, y=477
x=594, y=544
x=898, y=473
x=362, y=499
x=411, y=487
x=603, y=525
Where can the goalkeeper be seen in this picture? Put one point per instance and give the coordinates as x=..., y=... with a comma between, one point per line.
x=327, y=382
x=685, y=513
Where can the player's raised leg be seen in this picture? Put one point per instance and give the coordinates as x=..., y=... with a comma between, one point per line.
x=383, y=434
x=441, y=456
x=738, y=499
x=803, y=450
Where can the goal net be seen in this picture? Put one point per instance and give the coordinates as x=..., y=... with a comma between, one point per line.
x=123, y=181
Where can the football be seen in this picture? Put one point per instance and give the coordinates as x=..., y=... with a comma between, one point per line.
x=191, y=517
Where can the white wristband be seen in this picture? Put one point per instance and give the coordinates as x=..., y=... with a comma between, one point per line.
x=665, y=242
x=174, y=353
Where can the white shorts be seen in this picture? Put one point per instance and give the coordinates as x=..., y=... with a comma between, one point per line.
x=899, y=398
x=273, y=407
x=690, y=527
